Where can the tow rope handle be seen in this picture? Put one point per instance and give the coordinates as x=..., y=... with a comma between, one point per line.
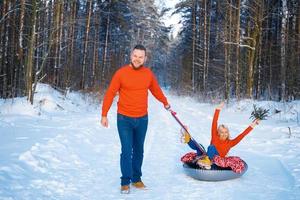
x=180, y=123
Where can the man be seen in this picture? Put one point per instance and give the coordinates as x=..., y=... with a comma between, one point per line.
x=132, y=82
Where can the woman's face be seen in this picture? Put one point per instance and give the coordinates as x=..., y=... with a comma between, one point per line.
x=223, y=133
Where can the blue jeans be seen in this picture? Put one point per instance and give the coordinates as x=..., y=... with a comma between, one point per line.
x=132, y=132
x=194, y=145
x=211, y=150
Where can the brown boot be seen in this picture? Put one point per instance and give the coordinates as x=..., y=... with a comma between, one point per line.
x=139, y=185
x=125, y=189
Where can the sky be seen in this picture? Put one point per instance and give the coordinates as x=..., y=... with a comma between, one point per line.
x=169, y=19
x=56, y=149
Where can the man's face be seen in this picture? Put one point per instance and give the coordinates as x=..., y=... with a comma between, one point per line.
x=138, y=58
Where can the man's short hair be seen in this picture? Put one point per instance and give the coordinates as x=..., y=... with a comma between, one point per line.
x=140, y=47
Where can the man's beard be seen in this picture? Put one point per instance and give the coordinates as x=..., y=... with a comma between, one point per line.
x=134, y=67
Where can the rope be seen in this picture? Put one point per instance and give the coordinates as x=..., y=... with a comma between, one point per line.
x=199, y=146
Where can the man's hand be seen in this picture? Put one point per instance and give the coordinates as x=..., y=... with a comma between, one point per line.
x=167, y=107
x=104, y=121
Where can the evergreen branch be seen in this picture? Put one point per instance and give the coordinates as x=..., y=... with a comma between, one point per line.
x=259, y=113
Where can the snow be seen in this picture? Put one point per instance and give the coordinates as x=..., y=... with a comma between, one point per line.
x=57, y=149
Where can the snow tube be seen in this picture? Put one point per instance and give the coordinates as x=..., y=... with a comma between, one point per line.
x=214, y=174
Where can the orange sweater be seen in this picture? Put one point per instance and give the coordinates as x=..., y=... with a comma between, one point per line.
x=132, y=86
x=223, y=147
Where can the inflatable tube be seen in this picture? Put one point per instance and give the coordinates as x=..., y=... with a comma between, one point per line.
x=212, y=174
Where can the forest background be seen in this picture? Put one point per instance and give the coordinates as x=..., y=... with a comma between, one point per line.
x=229, y=49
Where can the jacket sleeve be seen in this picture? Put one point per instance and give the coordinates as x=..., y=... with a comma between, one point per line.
x=214, y=126
x=236, y=140
x=156, y=91
x=111, y=92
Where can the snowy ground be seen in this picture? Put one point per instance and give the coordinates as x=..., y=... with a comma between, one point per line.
x=57, y=149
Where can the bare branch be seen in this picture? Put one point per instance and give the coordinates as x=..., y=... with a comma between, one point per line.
x=241, y=45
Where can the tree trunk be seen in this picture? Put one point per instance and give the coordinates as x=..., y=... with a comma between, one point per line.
x=19, y=71
x=283, y=49
x=270, y=52
x=208, y=45
x=193, y=45
x=71, y=43
x=57, y=36
x=105, y=50
x=22, y=15
x=227, y=52
x=14, y=60
x=85, y=47
x=298, y=50
x=259, y=50
x=237, y=51
x=61, y=42
x=205, y=44
x=95, y=50
x=251, y=58
x=3, y=47
x=250, y=79
x=30, y=55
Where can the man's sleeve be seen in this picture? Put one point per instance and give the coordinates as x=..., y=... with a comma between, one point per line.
x=156, y=91
x=111, y=92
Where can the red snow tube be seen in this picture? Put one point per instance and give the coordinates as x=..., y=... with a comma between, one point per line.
x=214, y=174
